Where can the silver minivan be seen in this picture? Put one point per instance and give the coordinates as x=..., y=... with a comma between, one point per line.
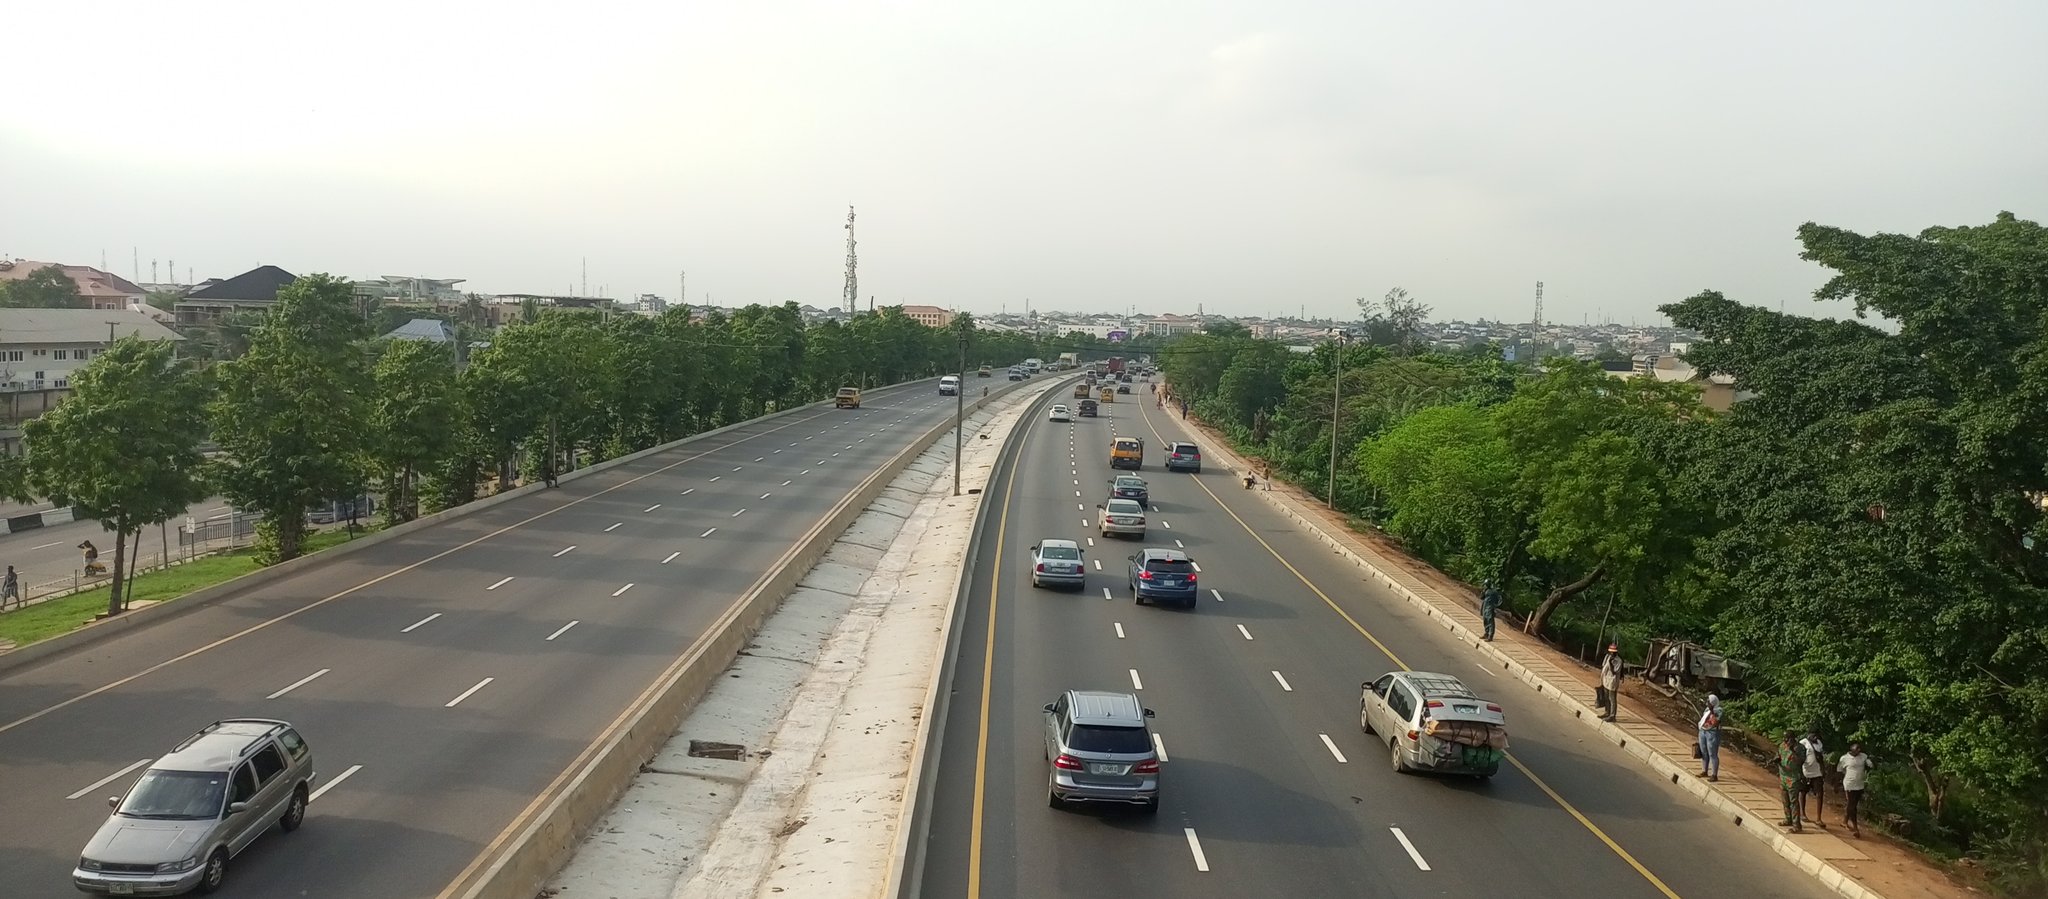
x=198, y=807
x=1433, y=722
x=1100, y=750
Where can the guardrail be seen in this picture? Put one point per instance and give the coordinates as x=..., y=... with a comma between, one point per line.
x=537, y=844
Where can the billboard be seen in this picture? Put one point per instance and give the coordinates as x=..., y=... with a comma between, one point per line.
x=1118, y=336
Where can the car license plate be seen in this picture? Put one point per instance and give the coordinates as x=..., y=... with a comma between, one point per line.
x=117, y=888
x=1168, y=582
x=1119, y=770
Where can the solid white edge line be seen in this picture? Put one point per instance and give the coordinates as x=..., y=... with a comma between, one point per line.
x=1341, y=760
x=469, y=692
x=1417, y=856
x=1284, y=685
x=708, y=533
x=299, y=683
x=671, y=557
x=1195, y=846
x=564, y=550
x=1159, y=746
x=322, y=791
x=107, y=779
x=1119, y=629
x=501, y=583
x=622, y=590
x=564, y=629
x=1136, y=684
x=1247, y=634
x=409, y=628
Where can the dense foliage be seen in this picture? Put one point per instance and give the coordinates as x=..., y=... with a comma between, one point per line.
x=1864, y=529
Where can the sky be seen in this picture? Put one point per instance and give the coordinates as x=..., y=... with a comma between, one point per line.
x=1243, y=158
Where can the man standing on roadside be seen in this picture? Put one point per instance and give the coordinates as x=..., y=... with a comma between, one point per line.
x=1813, y=775
x=1789, y=776
x=1855, y=768
x=1710, y=739
x=1610, y=682
x=10, y=587
x=1489, y=606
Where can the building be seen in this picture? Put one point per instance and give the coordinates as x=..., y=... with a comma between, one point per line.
x=252, y=291
x=407, y=289
x=430, y=330
x=96, y=289
x=929, y=316
x=1171, y=325
x=41, y=348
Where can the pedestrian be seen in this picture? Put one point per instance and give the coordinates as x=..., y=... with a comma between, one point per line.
x=1813, y=775
x=1855, y=768
x=1489, y=605
x=1710, y=739
x=1790, y=764
x=547, y=470
x=10, y=586
x=1610, y=682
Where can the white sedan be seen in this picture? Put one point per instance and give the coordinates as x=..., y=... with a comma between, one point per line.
x=1060, y=412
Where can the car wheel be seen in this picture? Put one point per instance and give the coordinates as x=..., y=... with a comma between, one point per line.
x=216, y=871
x=295, y=813
x=1364, y=723
x=1394, y=753
x=1052, y=799
x=1151, y=808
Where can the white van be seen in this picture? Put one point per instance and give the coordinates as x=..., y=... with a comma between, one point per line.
x=949, y=385
x=1034, y=366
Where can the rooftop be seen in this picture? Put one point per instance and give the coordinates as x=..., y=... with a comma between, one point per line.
x=91, y=326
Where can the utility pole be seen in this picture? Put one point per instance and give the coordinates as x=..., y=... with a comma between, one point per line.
x=959, y=411
x=585, y=289
x=1338, y=338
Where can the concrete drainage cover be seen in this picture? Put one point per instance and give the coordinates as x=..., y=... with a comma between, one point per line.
x=711, y=749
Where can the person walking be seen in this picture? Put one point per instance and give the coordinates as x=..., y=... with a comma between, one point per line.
x=1710, y=739
x=1855, y=768
x=10, y=587
x=1489, y=606
x=1790, y=764
x=1813, y=775
x=1610, y=682
x=547, y=470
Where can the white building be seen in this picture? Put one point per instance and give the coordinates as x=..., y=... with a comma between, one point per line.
x=41, y=348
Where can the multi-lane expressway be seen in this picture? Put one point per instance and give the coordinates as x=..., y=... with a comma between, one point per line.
x=1269, y=788
x=445, y=677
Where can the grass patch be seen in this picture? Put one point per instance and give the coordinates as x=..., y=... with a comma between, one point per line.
x=62, y=616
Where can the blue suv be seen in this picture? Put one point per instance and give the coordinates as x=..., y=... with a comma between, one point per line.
x=1167, y=574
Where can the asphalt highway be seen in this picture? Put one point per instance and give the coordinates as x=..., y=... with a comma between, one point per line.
x=45, y=554
x=443, y=678
x=1268, y=787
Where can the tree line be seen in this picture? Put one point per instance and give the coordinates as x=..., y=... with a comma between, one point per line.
x=315, y=408
x=1864, y=528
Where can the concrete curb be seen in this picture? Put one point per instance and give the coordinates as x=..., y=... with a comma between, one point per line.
x=1761, y=828
x=199, y=599
x=519, y=863
x=913, y=829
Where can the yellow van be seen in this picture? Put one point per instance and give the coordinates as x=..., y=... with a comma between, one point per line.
x=1109, y=394
x=848, y=398
x=1127, y=452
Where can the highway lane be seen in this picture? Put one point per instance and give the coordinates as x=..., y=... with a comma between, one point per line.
x=1256, y=693
x=450, y=674
x=44, y=554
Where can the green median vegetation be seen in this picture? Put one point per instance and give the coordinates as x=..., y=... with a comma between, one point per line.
x=64, y=615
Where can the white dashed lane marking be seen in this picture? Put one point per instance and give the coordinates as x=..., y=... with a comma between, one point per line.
x=1284, y=685
x=409, y=628
x=622, y=590
x=108, y=779
x=469, y=692
x=1341, y=760
x=562, y=630
x=564, y=550
x=338, y=778
x=299, y=683
x=614, y=527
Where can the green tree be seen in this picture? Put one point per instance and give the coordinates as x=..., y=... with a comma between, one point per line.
x=290, y=413
x=123, y=448
x=413, y=418
x=45, y=288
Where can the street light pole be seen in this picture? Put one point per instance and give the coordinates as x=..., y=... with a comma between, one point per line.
x=959, y=411
x=1337, y=340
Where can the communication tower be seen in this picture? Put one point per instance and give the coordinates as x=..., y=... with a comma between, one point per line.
x=852, y=296
x=1539, y=304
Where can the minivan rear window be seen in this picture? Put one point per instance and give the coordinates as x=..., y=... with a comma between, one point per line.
x=1098, y=738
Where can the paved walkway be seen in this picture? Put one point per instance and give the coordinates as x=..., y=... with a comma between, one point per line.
x=1746, y=794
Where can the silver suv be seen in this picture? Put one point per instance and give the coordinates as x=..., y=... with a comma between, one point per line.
x=1100, y=750
x=197, y=807
x=1433, y=722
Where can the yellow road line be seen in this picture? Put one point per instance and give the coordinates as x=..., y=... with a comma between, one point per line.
x=988, y=665
x=1654, y=880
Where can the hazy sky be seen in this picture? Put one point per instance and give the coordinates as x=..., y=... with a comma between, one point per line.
x=1253, y=157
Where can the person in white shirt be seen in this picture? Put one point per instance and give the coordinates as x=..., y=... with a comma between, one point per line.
x=1813, y=775
x=1855, y=768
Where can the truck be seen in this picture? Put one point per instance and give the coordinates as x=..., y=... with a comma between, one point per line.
x=1034, y=365
x=1114, y=365
x=1070, y=361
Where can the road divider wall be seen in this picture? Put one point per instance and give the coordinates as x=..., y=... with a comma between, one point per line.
x=548, y=832
x=200, y=599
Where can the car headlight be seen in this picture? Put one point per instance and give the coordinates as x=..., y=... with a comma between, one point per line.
x=178, y=867
x=88, y=864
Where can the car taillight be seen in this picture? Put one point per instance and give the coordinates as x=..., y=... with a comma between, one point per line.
x=1494, y=708
x=1041, y=566
x=1067, y=763
x=1191, y=578
x=1434, y=704
x=1412, y=735
x=1144, y=575
x=1148, y=766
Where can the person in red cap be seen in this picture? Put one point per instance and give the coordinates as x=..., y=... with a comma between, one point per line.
x=1610, y=682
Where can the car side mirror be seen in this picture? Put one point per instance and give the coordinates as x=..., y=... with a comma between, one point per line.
x=1132, y=558
x=236, y=808
x=1148, y=713
x=1048, y=708
x=113, y=802
x=1034, y=547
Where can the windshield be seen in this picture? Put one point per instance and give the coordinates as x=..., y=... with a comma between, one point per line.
x=176, y=795
x=1121, y=740
x=1059, y=553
